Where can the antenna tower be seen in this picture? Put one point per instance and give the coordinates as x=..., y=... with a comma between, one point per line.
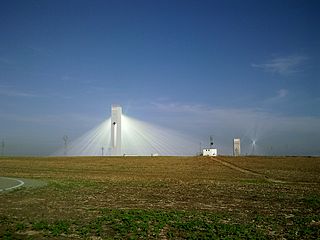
x=66, y=141
x=211, y=141
x=2, y=147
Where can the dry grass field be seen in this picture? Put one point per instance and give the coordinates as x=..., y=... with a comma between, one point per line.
x=162, y=198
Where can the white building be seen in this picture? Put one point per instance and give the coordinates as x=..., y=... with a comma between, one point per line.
x=209, y=152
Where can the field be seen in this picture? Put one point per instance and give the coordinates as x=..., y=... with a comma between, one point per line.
x=162, y=198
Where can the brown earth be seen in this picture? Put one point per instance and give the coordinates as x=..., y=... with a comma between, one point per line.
x=79, y=186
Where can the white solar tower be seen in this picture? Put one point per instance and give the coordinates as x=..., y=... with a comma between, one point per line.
x=236, y=147
x=116, y=112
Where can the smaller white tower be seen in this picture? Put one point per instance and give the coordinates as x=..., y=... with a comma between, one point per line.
x=236, y=147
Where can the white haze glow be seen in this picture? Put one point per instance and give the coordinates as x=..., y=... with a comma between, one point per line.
x=138, y=138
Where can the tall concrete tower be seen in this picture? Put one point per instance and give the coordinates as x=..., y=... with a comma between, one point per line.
x=236, y=147
x=116, y=112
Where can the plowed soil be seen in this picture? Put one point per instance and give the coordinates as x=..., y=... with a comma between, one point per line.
x=253, y=197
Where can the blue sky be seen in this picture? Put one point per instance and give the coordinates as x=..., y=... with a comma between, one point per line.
x=226, y=68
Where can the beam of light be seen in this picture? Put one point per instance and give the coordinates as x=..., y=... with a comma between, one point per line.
x=143, y=138
x=90, y=143
x=138, y=138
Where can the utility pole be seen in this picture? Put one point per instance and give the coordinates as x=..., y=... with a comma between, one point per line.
x=102, y=149
x=2, y=148
x=66, y=140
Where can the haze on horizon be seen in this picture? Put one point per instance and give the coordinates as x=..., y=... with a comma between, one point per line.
x=247, y=69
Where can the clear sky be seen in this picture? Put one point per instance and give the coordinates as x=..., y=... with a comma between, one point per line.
x=248, y=69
